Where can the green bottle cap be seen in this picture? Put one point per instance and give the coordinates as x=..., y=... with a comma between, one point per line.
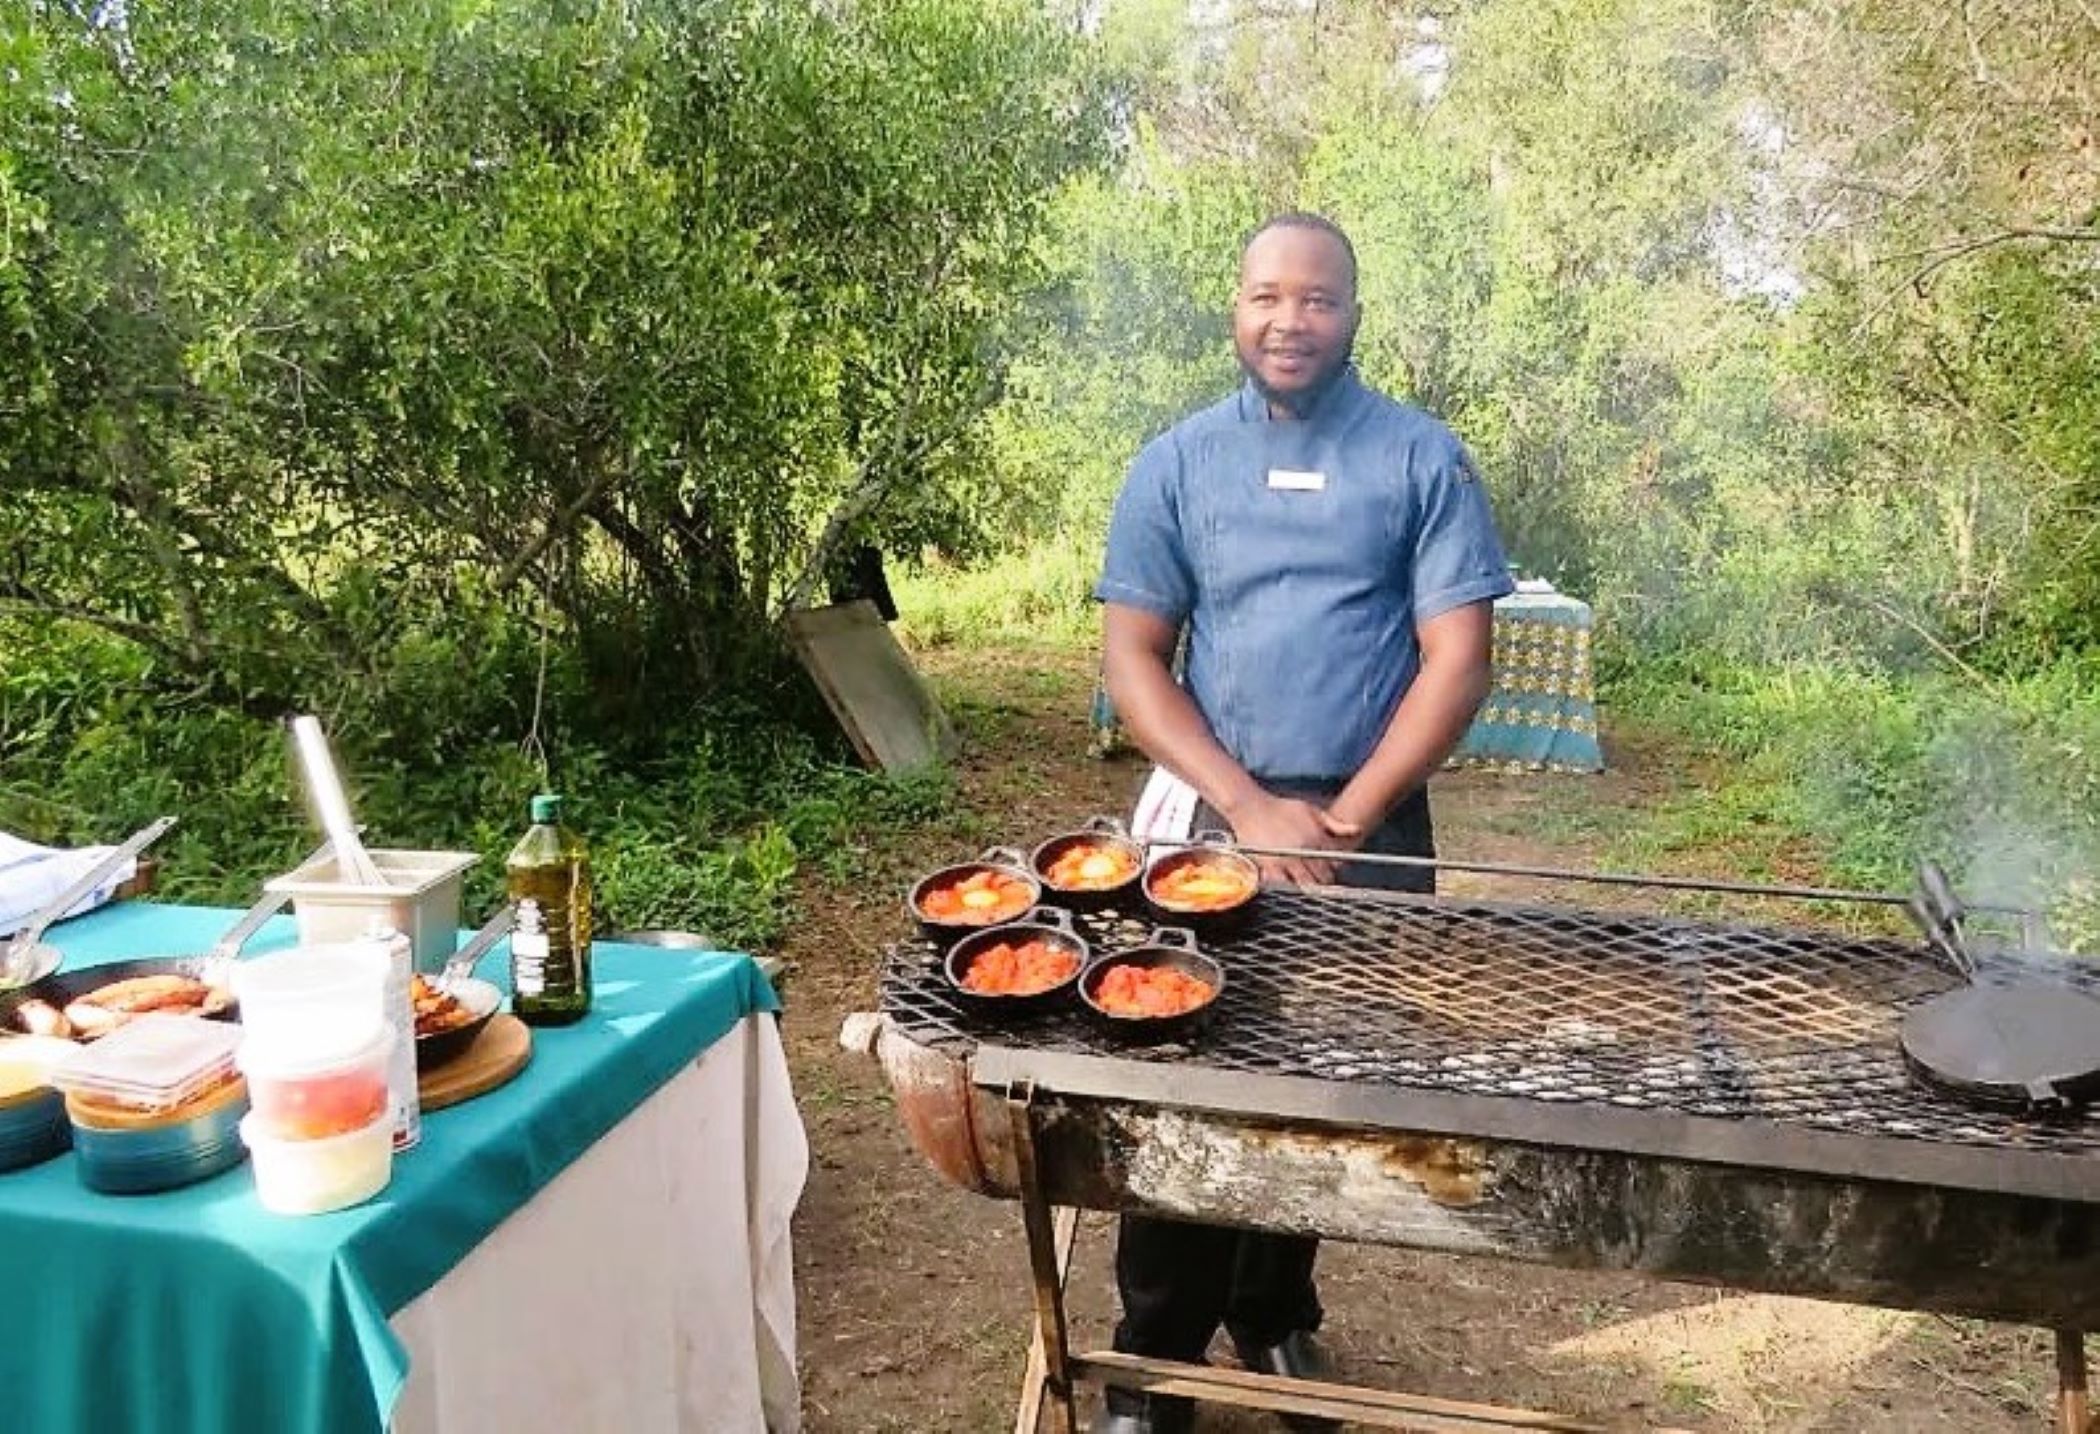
x=546, y=809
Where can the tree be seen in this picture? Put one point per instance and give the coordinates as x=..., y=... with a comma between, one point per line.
x=329, y=328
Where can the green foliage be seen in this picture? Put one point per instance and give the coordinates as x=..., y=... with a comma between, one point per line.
x=334, y=337
x=708, y=839
x=2000, y=784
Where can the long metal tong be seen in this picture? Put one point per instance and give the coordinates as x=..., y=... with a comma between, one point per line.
x=1938, y=913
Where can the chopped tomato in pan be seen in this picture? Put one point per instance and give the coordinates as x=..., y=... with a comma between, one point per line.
x=1023, y=970
x=1131, y=990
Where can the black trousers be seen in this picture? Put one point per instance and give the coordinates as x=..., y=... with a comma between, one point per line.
x=1179, y=1280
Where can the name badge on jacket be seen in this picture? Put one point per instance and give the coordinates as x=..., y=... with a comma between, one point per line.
x=1297, y=480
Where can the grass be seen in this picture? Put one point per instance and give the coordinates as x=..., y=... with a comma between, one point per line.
x=1799, y=774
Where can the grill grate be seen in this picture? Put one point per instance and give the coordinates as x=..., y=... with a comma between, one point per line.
x=1605, y=1008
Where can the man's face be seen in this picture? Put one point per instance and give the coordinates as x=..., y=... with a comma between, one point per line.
x=1295, y=317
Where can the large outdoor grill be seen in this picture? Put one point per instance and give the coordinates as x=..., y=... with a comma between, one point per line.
x=1726, y=1103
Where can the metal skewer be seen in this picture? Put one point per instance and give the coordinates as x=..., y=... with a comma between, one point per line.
x=1601, y=878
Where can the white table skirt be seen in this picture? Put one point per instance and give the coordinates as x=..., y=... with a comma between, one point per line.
x=649, y=1287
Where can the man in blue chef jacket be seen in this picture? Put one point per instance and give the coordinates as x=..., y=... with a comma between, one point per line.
x=1332, y=555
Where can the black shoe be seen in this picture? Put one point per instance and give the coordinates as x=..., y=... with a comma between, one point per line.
x=1296, y=1356
x=1152, y=1416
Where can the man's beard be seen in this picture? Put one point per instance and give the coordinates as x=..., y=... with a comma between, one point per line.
x=1300, y=402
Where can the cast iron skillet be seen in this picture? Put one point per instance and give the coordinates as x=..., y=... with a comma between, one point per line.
x=1168, y=946
x=2016, y=1040
x=62, y=988
x=998, y=858
x=1044, y=923
x=1211, y=848
x=480, y=998
x=1098, y=832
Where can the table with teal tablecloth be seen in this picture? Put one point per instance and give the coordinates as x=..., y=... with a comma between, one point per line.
x=196, y=1310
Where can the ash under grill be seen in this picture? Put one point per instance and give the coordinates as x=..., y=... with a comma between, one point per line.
x=1609, y=1009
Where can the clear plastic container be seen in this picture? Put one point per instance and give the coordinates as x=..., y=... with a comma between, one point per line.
x=312, y=1177
x=299, y=1094
x=327, y=999
x=151, y=1063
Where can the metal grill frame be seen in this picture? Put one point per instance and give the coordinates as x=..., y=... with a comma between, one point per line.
x=1714, y=1075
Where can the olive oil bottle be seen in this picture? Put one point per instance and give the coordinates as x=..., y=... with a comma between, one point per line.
x=549, y=875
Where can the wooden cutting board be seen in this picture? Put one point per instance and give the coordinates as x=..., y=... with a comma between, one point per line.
x=498, y=1053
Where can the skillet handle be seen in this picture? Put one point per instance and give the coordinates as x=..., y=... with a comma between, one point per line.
x=1179, y=938
x=1053, y=916
x=1003, y=856
x=2046, y=1098
x=242, y=931
x=1108, y=826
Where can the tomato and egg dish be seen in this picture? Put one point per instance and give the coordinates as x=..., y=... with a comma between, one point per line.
x=985, y=897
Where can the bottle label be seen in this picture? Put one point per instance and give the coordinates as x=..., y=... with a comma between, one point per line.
x=528, y=950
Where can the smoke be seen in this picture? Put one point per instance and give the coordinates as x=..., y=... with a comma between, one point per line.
x=2011, y=823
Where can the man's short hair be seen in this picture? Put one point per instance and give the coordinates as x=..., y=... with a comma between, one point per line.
x=1305, y=219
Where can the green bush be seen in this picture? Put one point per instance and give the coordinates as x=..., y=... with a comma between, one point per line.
x=704, y=829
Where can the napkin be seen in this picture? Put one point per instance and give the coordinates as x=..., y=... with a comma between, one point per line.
x=1166, y=808
x=31, y=875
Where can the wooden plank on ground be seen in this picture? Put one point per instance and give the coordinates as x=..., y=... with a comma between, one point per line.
x=871, y=686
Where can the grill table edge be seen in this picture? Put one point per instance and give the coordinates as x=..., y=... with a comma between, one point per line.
x=1760, y=1145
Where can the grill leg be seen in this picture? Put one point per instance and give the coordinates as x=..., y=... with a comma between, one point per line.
x=2073, y=1403
x=1052, y=1377
x=1030, y=1412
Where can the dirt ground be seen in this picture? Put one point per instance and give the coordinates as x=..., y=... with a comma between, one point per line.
x=913, y=1294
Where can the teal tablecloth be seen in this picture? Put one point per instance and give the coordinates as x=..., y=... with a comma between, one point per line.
x=195, y=1310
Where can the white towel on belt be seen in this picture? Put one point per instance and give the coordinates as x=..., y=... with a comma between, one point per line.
x=1166, y=809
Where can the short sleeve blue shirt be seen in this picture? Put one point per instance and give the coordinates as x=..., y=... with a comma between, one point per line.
x=1301, y=553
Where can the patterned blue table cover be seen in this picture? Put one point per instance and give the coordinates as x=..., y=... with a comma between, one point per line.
x=1541, y=712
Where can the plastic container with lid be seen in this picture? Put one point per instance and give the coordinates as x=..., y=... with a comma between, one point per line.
x=312, y=1177
x=300, y=1094
x=327, y=1000
x=151, y=1063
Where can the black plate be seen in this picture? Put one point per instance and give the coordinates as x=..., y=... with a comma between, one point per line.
x=62, y=988
x=2028, y=1045
x=1169, y=946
